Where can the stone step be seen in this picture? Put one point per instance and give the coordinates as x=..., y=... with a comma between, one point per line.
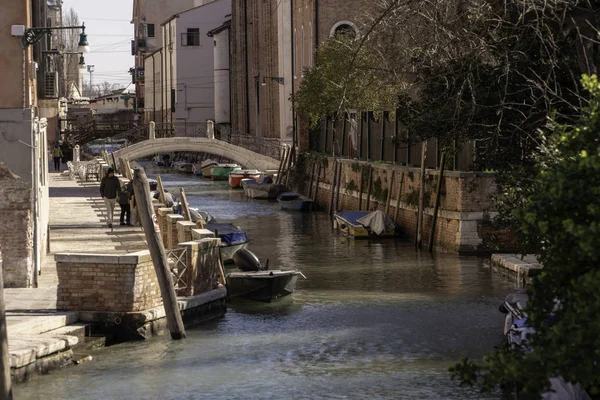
x=30, y=324
x=27, y=349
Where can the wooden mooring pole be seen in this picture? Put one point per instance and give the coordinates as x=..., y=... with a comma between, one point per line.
x=184, y=205
x=281, y=164
x=339, y=185
x=438, y=194
x=5, y=379
x=360, y=189
x=312, y=206
x=289, y=165
x=369, y=187
x=332, y=187
x=310, y=181
x=398, y=195
x=421, y=210
x=161, y=191
x=160, y=260
x=389, y=195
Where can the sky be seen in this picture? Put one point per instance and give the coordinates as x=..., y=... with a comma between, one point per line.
x=109, y=30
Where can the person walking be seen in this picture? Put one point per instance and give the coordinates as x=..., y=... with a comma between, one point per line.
x=124, y=197
x=57, y=154
x=110, y=187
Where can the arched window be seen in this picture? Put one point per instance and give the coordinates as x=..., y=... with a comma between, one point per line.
x=346, y=28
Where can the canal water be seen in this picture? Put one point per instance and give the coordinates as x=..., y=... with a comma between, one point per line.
x=373, y=320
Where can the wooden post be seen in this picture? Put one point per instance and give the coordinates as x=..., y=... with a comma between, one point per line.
x=121, y=168
x=161, y=191
x=332, y=188
x=5, y=379
x=114, y=161
x=398, y=195
x=420, y=211
x=369, y=187
x=310, y=181
x=316, y=187
x=184, y=205
x=289, y=166
x=360, y=190
x=339, y=185
x=128, y=170
x=281, y=162
x=389, y=196
x=437, y=202
x=141, y=189
x=283, y=166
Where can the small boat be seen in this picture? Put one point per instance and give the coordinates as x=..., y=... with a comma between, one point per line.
x=235, y=178
x=294, y=201
x=220, y=172
x=364, y=224
x=257, y=282
x=181, y=166
x=203, y=169
x=264, y=191
x=232, y=239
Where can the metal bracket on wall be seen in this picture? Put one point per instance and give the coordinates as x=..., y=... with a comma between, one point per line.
x=17, y=141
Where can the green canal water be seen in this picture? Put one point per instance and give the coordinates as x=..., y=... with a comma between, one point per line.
x=374, y=320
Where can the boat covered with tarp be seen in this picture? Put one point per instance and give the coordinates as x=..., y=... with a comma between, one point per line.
x=232, y=239
x=364, y=224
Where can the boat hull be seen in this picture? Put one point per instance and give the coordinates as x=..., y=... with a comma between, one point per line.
x=221, y=173
x=264, y=191
x=235, y=179
x=294, y=202
x=262, y=286
x=358, y=231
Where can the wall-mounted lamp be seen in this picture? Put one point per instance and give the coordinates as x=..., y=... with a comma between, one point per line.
x=33, y=35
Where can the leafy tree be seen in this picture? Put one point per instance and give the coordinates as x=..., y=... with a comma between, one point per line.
x=562, y=215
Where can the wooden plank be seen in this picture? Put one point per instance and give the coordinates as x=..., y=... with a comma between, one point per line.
x=289, y=166
x=281, y=162
x=160, y=260
x=389, y=196
x=185, y=205
x=161, y=191
x=421, y=209
x=437, y=202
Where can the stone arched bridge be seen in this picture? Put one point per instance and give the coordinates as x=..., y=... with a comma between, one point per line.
x=244, y=157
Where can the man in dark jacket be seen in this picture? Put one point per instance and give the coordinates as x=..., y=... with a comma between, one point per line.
x=110, y=187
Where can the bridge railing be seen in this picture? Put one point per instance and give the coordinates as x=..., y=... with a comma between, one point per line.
x=266, y=146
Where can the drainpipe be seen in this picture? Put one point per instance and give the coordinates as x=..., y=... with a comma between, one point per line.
x=316, y=5
x=246, y=65
x=153, y=90
x=294, y=116
x=162, y=91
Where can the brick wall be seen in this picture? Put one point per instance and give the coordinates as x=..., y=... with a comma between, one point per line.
x=465, y=203
x=202, y=273
x=108, y=283
x=16, y=229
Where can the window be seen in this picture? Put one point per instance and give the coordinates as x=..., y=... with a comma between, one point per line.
x=192, y=37
x=345, y=28
x=151, y=32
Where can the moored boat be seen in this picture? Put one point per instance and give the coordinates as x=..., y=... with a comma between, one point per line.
x=204, y=168
x=364, y=224
x=294, y=202
x=264, y=191
x=232, y=239
x=181, y=166
x=220, y=172
x=235, y=178
x=262, y=285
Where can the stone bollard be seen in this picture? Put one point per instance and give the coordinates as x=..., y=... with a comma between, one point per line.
x=172, y=236
x=210, y=129
x=202, y=272
x=151, y=130
x=161, y=216
x=199, y=234
x=184, y=231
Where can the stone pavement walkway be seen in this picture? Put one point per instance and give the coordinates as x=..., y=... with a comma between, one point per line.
x=77, y=225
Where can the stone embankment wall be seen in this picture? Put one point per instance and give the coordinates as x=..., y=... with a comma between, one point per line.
x=466, y=203
x=16, y=229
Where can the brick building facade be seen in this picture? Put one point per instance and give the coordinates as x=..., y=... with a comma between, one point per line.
x=272, y=42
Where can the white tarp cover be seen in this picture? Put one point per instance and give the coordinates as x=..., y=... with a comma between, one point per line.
x=562, y=390
x=377, y=221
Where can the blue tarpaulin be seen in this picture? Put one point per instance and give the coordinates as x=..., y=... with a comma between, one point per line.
x=229, y=234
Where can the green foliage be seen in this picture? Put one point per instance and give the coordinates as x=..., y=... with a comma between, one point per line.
x=378, y=192
x=356, y=167
x=351, y=187
x=561, y=215
x=345, y=76
x=412, y=197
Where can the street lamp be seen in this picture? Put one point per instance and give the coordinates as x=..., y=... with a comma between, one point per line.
x=81, y=63
x=33, y=35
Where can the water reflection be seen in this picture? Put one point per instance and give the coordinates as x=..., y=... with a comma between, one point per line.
x=374, y=320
